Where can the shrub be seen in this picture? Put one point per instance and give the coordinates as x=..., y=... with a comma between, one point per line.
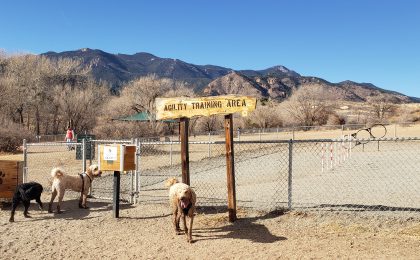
x=11, y=137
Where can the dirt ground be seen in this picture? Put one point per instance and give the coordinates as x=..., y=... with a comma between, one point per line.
x=145, y=232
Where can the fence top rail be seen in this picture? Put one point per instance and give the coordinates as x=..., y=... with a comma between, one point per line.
x=124, y=141
x=53, y=144
x=178, y=142
x=289, y=141
x=395, y=139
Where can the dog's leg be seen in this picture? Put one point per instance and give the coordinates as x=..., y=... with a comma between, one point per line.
x=14, y=206
x=81, y=201
x=189, y=238
x=26, y=203
x=38, y=200
x=60, y=199
x=176, y=220
x=84, y=201
x=184, y=221
x=53, y=194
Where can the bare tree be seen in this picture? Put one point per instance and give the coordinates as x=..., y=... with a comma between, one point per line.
x=381, y=106
x=141, y=93
x=28, y=80
x=309, y=105
x=265, y=116
x=209, y=123
x=34, y=89
x=80, y=106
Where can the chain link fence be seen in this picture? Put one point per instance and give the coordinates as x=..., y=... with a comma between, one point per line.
x=374, y=175
x=379, y=175
x=41, y=158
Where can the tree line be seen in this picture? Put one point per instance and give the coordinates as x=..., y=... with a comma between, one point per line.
x=43, y=96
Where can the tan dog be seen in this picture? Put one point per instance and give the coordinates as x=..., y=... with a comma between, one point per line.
x=182, y=199
x=80, y=183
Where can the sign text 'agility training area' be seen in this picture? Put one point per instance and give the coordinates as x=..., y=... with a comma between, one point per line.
x=171, y=108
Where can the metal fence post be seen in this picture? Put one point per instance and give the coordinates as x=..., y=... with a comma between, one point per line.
x=170, y=152
x=239, y=139
x=209, y=153
x=25, y=161
x=289, y=182
x=132, y=180
x=137, y=172
x=84, y=154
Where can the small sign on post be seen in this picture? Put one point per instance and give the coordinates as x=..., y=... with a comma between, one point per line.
x=117, y=158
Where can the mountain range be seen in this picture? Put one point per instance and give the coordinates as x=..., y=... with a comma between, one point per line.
x=276, y=82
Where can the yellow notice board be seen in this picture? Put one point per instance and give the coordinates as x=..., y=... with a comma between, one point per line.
x=177, y=107
x=117, y=157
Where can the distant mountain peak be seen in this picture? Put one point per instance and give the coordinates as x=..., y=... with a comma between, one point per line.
x=280, y=68
x=277, y=82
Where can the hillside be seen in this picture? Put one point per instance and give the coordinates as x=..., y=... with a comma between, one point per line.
x=275, y=83
x=279, y=87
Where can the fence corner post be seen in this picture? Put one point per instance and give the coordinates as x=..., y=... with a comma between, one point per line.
x=84, y=154
x=137, y=171
x=25, y=161
x=289, y=179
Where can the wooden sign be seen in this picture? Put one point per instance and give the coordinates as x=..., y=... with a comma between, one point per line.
x=11, y=175
x=178, y=107
x=117, y=157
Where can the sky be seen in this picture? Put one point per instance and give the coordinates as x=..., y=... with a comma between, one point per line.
x=374, y=41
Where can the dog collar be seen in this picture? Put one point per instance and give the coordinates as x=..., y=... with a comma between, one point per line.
x=90, y=179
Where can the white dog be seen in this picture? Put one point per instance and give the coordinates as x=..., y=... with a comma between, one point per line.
x=182, y=199
x=80, y=183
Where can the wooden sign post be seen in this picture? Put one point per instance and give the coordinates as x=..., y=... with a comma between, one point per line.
x=116, y=197
x=230, y=167
x=184, y=108
x=185, y=157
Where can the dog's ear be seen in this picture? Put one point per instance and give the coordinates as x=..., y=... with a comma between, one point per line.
x=170, y=182
x=188, y=192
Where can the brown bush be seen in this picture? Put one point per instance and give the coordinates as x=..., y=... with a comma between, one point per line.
x=11, y=137
x=334, y=119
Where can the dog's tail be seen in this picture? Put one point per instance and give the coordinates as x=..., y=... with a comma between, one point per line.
x=171, y=181
x=57, y=172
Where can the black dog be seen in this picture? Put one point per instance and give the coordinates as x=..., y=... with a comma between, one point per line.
x=26, y=192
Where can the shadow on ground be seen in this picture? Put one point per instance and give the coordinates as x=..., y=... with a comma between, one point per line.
x=70, y=210
x=243, y=228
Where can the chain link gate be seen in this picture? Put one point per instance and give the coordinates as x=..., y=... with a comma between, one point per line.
x=41, y=158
